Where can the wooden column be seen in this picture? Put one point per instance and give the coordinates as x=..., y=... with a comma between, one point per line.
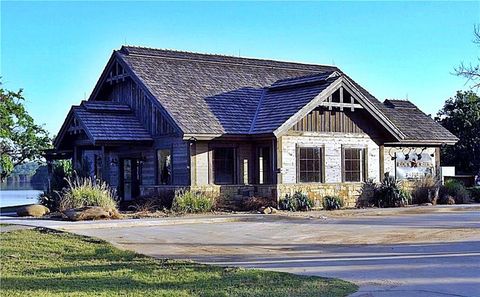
x=437, y=161
x=193, y=163
x=382, y=161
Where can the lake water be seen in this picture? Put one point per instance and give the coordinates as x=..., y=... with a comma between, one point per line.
x=18, y=197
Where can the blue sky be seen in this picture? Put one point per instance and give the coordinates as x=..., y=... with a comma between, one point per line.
x=57, y=50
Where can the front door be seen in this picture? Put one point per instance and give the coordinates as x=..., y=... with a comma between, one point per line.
x=130, y=177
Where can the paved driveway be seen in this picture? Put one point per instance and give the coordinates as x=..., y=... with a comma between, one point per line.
x=409, y=254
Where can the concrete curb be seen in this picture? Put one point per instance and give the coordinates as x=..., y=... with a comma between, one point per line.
x=106, y=224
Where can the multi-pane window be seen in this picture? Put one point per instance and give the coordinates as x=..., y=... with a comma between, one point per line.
x=224, y=165
x=164, y=169
x=353, y=164
x=310, y=164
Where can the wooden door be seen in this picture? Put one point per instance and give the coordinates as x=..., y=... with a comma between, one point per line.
x=130, y=186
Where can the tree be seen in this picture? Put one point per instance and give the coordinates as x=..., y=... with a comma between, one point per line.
x=471, y=72
x=461, y=116
x=21, y=140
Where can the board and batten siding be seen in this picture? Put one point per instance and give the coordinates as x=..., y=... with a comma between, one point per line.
x=321, y=119
x=128, y=92
x=332, y=144
x=180, y=158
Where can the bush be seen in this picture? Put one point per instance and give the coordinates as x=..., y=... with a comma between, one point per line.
x=186, y=201
x=456, y=190
x=368, y=194
x=296, y=202
x=425, y=190
x=475, y=194
x=255, y=203
x=87, y=191
x=332, y=203
x=61, y=171
x=391, y=194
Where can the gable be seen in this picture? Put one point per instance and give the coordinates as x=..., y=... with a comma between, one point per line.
x=340, y=94
x=118, y=84
x=101, y=123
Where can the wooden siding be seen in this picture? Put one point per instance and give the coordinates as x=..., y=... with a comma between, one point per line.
x=128, y=92
x=335, y=121
x=323, y=120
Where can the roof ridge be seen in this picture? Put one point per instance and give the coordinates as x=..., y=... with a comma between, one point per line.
x=251, y=61
x=259, y=106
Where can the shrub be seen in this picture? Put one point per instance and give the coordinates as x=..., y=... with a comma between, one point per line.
x=456, y=190
x=368, y=194
x=425, y=190
x=475, y=194
x=61, y=170
x=296, y=202
x=332, y=203
x=255, y=203
x=391, y=194
x=87, y=191
x=187, y=201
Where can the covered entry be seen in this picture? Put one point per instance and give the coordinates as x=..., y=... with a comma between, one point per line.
x=105, y=140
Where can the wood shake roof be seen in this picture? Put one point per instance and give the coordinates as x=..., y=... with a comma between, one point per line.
x=214, y=94
x=110, y=122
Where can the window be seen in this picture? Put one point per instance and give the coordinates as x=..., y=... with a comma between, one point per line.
x=264, y=171
x=310, y=164
x=164, y=169
x=97, y=166
x=224, y=165
x=353, y=164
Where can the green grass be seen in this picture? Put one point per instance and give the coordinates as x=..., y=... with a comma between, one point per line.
x=46, y=263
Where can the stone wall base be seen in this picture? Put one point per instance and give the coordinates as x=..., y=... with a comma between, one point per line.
x=350, y=193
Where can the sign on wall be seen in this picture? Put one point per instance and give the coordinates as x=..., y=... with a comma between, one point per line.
x=413, y=166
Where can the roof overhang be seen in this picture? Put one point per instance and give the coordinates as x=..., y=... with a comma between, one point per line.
x=421, y=143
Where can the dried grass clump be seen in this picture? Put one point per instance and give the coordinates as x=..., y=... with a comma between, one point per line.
x=87, y=191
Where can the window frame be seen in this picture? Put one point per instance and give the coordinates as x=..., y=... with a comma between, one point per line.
x=234, y=167
x=321, y=154
x=363, y=171
x=158, y=182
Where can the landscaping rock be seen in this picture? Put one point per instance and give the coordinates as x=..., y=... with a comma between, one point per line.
x=32, y=211
x=89, y=213
x=450, y=200
x=267, y=210
x=426, y=204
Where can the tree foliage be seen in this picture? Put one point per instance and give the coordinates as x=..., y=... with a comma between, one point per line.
x=471, y=71
x=21, y=140
x=461, y=116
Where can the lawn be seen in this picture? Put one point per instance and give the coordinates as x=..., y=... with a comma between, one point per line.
x=47, y=263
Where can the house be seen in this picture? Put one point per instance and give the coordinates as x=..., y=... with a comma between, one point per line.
x=158, y=120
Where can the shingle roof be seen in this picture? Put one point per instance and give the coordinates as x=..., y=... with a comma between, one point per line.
x=214, y=94
x=210, y=93
x=279, y=104
x=414, y=123
x=112, y=122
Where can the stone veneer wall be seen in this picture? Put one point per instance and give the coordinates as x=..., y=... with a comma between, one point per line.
x=332, y=143
x=348, y=192
x=236, y=194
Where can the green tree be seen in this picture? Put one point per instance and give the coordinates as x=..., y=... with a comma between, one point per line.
x=21, y=140
x=461, y=116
